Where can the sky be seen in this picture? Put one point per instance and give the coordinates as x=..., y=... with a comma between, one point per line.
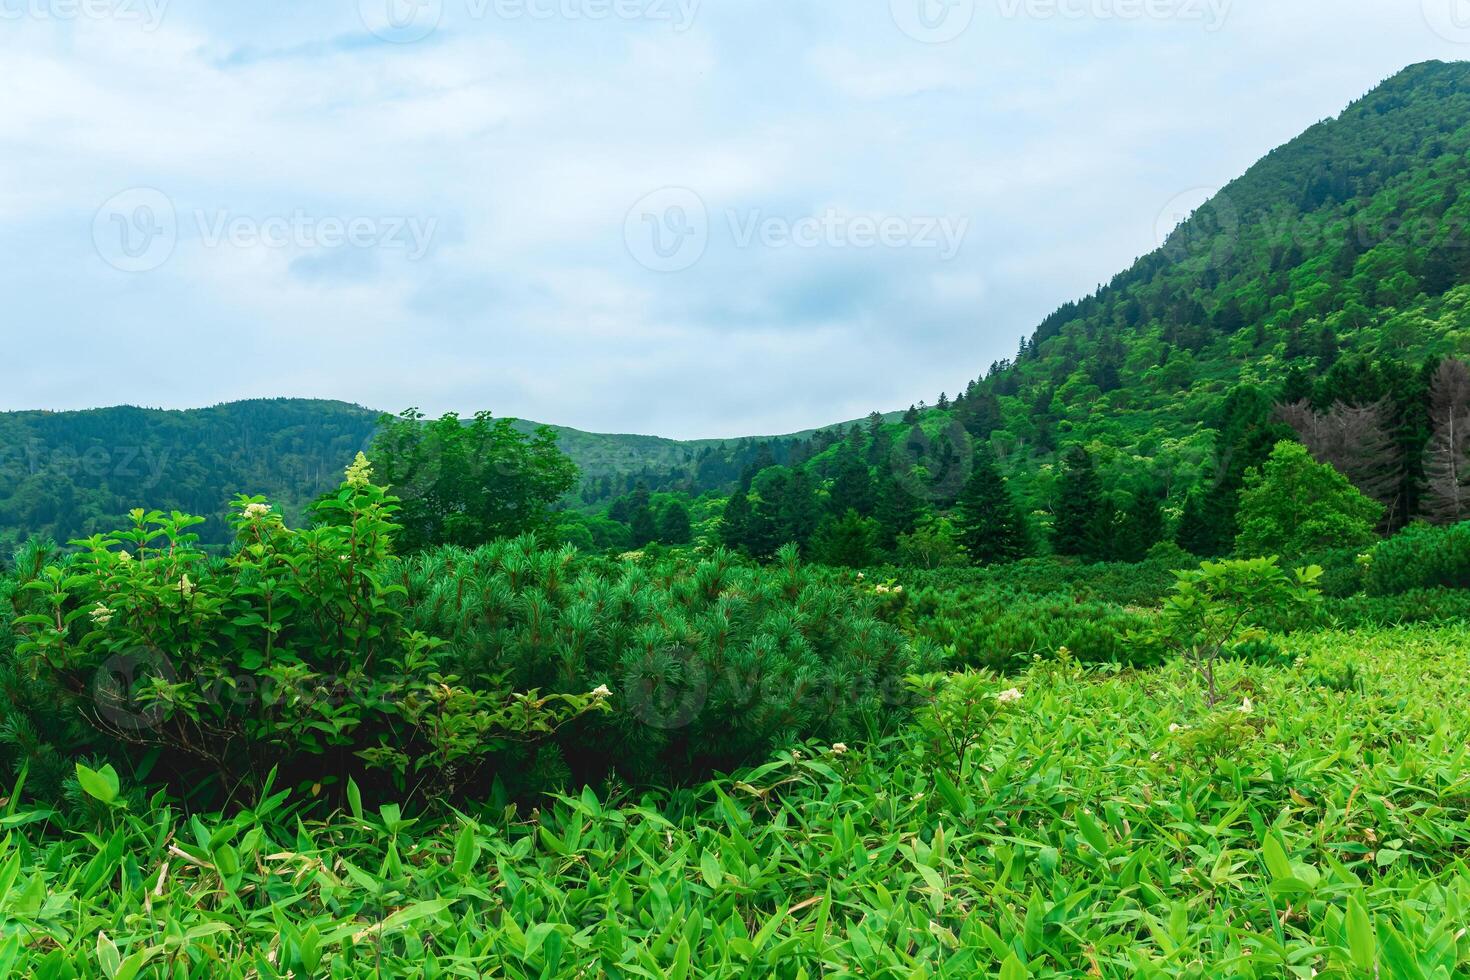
x=689, y=218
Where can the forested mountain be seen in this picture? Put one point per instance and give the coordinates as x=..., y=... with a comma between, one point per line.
x=69, y=474
x=1315, y=298
x=1333, y=276
x=1336, y=272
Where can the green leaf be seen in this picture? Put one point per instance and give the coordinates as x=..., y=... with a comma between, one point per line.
x=100, y=784
x=1362, y=941
x=466, y=851
x=1014, y=969
x=1274, y=854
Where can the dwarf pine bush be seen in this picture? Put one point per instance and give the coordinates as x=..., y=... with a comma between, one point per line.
x=709, y=663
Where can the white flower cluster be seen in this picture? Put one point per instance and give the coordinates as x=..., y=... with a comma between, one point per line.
x=602, y=691
x=1009, y=697
x=186, y=588
x=839, y=748
x=101, y=615
x=885, y=590
x=254, y=512
x=360, y=473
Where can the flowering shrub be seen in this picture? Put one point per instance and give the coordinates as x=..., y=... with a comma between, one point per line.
x=291, y=652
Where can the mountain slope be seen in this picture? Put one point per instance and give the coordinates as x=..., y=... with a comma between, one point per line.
x=1333, y=269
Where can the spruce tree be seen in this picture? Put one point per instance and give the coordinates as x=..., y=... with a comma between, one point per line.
x=1142, y=526
x=735, y=524
x=896, y=509
x=992, y=528
x=853, y=487
x=1083, y=515
x=673, y=524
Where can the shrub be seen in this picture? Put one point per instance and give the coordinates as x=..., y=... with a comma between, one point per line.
x=1421, y=557
x=711, y=663
x=291, y=652
x=1226, y=606
x=1418, y=606
x=1343, y=571
x=1000, y=628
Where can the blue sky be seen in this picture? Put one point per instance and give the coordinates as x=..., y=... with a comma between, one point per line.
x=692, y=218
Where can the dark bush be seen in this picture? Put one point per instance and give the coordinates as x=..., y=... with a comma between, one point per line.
x=1421, y=557
x=710, y=663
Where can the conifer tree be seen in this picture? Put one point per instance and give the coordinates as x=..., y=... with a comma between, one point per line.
x=853, y=487
x=896, y=509
x=1447, y=458
x=992, y=528
x=1084, y=517
x=735, y=523
x=673, y=524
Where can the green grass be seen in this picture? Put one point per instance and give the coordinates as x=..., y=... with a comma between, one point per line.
x=1324, y=830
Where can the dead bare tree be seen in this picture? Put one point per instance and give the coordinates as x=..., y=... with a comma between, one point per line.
x=1355, y=440
x=1447, y=457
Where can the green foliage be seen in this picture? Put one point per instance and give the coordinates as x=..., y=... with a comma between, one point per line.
x=467, y=483
x=1293, y=505
x=1416, y=606
x=1421, y=557
x=1003, y=617
x=1223, y=605
x=993, y=528
x=1108, y=824
x=291, y=652
x=711, y=663
x=1084, y=517
x=850, y=541
x=935, y=543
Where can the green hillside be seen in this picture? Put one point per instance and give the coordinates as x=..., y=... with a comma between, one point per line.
x=70, y=474
x=1335, y=273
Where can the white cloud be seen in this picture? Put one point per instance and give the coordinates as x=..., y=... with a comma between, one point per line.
x=526, y=143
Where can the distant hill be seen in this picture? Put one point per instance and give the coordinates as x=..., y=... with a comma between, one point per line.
x=70, y=474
